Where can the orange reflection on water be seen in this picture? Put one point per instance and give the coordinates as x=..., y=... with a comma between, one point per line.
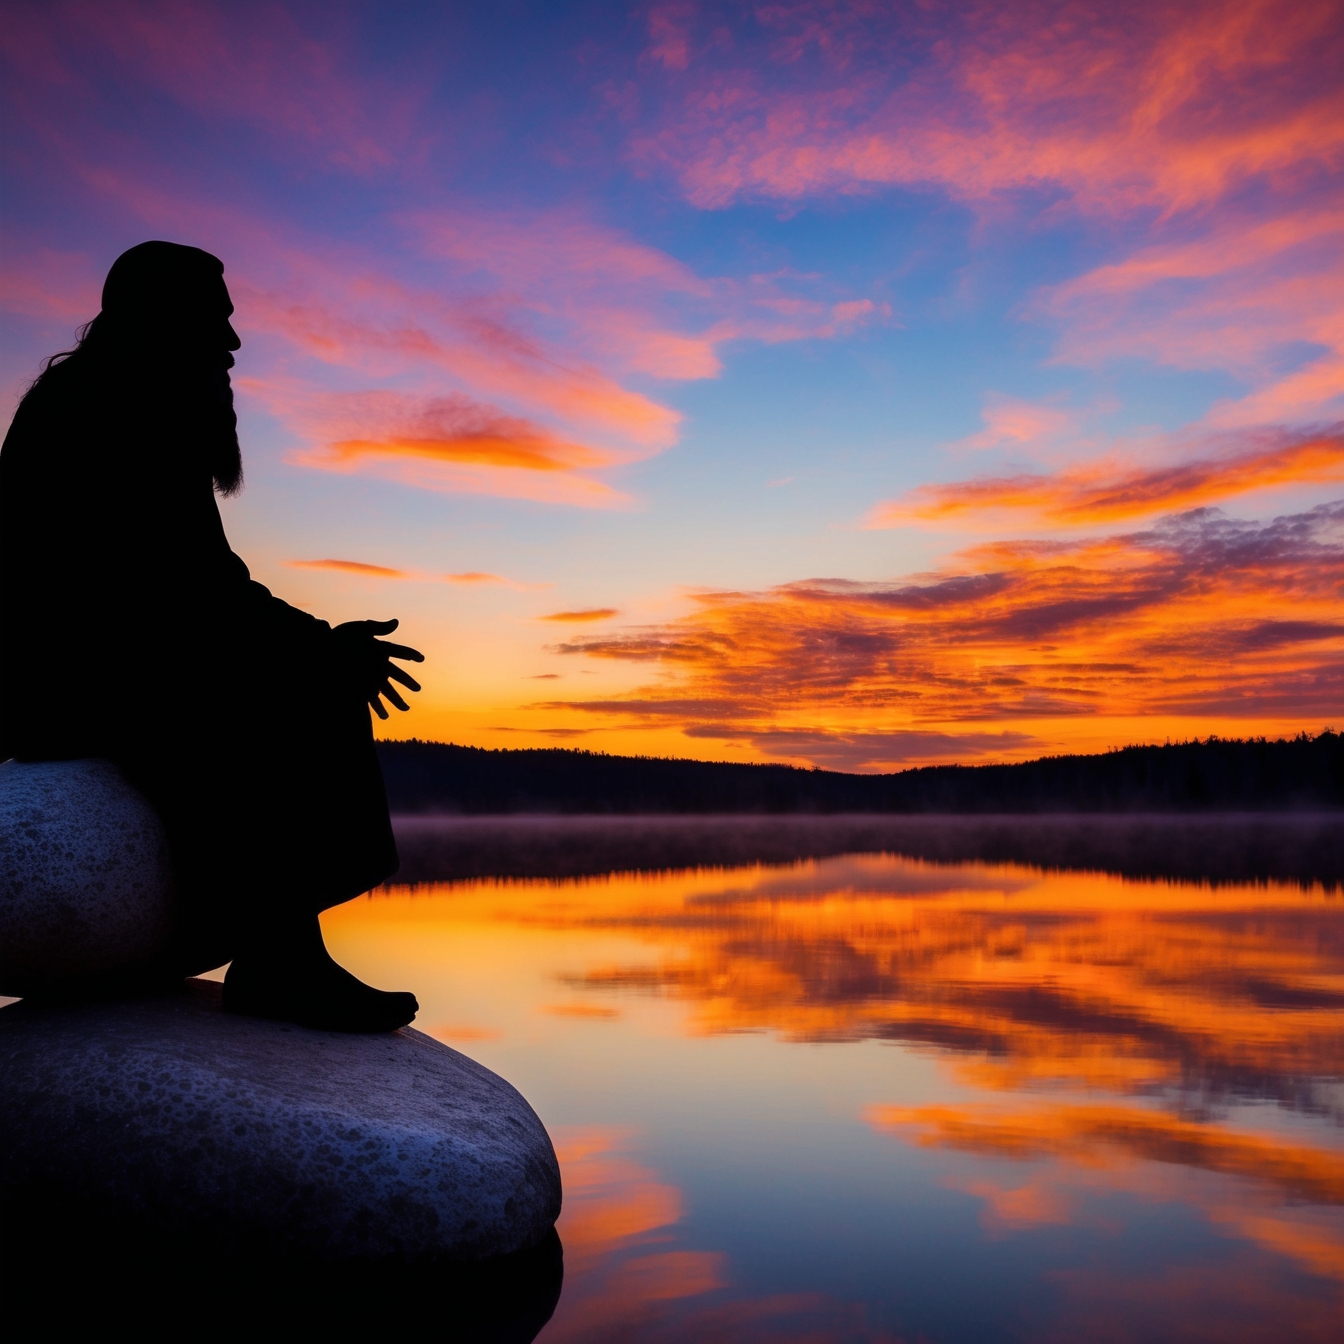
x=615, y=1211
x=1285, y=1195
x=1027, y=979
x=1102, y=1044
x=1172, y=1001
x=1090, y=1134
x=609, y=1198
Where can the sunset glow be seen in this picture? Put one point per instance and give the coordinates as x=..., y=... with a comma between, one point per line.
x=894, y=384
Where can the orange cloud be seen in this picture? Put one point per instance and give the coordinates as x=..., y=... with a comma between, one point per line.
x=350, y=567
x=504, y=444
x=1198, y=617
x=440, y=443
x=590, y=614
x=380, y=327
x=1104, y=492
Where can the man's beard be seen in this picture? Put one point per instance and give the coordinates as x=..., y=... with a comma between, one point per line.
x=224, y=455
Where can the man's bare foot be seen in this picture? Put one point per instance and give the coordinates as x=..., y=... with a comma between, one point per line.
x=299, y=982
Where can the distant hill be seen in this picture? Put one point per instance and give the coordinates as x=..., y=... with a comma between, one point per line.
x=1213, y=775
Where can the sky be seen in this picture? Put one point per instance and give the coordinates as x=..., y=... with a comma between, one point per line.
x=859, y=385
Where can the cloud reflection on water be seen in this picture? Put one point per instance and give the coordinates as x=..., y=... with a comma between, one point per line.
x=1170, y=1001
x=616, y=1213
x=1027, y=979
x=1104, y=1052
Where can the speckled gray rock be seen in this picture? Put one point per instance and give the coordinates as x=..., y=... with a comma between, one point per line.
x=86, y=886
x=243, y=1133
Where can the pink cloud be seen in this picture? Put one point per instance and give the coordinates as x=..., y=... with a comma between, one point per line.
x=625, y=303
x=1213, y=130
x=53, y=286
x=380, y=326
x=1232, y=298
x=339, y=309
x=1012, y=423
x=543, y=316
x=258, y=67
x=546, y=310
x=1148, y=105
x=669, y=38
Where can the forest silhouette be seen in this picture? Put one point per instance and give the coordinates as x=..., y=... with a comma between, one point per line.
x=1215, y=774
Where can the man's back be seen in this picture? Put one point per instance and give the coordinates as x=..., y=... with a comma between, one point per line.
x=118, y=590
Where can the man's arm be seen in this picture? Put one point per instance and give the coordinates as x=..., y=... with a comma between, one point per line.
x=355, y=644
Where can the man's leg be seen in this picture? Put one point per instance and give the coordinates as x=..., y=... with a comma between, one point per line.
x=271, y=822
x=326, y=838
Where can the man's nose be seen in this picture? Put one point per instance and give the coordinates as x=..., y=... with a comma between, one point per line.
x=233, y=342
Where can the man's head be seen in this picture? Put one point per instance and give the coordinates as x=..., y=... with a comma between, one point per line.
x=170, y=296
x=166, y=306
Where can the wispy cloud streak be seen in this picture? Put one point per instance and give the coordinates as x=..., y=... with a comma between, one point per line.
x=367, y=571
x=1108, y=492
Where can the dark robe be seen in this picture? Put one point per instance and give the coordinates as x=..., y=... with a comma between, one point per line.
x=130, y=630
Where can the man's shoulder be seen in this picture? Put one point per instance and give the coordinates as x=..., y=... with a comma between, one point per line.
x=63, y=414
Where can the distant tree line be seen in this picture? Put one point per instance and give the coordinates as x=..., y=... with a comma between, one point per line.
x=1217, y=774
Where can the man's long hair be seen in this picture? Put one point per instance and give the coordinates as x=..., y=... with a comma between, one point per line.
x=127, y=343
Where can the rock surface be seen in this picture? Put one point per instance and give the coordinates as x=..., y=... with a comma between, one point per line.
x=86, y=887
x=241, y=1133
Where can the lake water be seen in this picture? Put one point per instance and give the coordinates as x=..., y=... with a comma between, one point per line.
x=935, y=1091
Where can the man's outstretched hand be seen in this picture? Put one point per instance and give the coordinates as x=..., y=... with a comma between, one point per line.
x=371, y=659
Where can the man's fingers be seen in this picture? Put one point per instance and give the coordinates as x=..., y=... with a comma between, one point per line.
x=381, y=627
x=402, y=652
x=377, y=705
x=396, y=674
x=389, y=691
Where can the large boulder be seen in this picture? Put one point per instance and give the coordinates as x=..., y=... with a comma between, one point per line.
x=86, y=885
x=238, y=1134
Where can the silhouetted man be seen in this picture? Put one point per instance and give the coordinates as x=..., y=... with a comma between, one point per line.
x=131, y=631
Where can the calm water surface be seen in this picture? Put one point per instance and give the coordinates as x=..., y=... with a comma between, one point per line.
x=875, y=1097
